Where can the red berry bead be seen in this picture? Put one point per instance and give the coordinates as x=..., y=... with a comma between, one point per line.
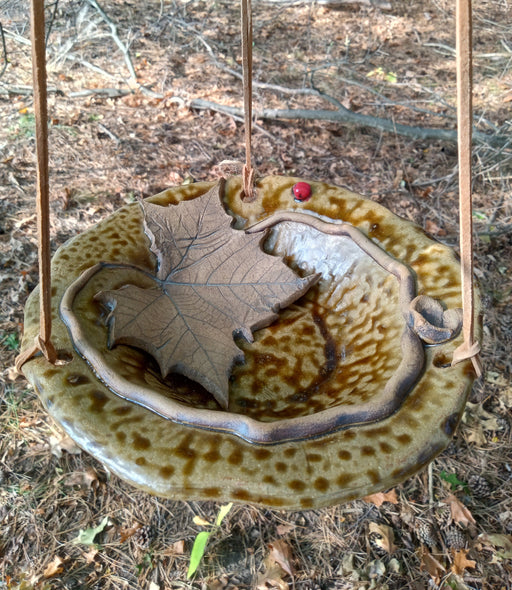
x=301, y=191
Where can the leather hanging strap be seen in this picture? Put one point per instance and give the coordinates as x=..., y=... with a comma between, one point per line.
x=248, y=170
x=470, y=348
x=43, y=340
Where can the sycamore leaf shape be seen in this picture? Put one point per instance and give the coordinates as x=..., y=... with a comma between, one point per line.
x=212, y=283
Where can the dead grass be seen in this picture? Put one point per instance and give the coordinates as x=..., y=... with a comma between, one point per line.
x=106, y=151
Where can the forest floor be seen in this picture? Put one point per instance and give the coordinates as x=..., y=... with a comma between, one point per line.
x=116, y=135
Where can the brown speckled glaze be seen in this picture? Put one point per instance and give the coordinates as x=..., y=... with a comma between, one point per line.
x=336, y=346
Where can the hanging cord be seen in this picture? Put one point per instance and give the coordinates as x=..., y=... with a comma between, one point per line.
x=42, y=341
x=248, y=170
x=470, y=348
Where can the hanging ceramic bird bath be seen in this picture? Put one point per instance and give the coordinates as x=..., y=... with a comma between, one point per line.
x=283, y=342
x=338, y=397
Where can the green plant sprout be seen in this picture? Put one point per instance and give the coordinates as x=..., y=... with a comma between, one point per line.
x=198, y=549
x=453, y=480
x=11, y=341
x=381, y=74
x=26, y=125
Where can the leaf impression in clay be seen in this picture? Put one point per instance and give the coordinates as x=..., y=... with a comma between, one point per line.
x=212, y=283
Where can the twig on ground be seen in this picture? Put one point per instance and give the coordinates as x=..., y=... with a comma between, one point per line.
x=4, y=50
x=430, y=472
x=255, y=127
x=443, y=49
x=122, y=47
x=51, y=21
x=18, y=38
x=108, y=92
x=382, y=4
x=111, y=134
x=6, y=89
x=414, y=84
x=431, y=181
x=494, y=233
x=91, y=66
x=389, y=102
x=383, y=124
x=132, y=80
x=493, y=159
x=384, y=99
x=344, y=115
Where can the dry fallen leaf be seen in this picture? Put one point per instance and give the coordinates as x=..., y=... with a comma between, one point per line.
x=281, y=554
x=459, y=513
x=284, y=529
x=383, y=537
x=218, y=583
x=380, y=497
x=272, y=577
x=431, y=564
x=212, y=283
x=502, y=382
x=177, y=548
x=399, y=176
x=476, y=413
x=90, y=555
x=126, y=533
x=85, y=479
x=277, y=564
x=200, y=521
x=432, y=228
x=376, y=569
x=500, y=544
x=476, y=435
x=394, y=566
x=62, y=442
x=12, y=373
x=54, y=567
x=461, y=562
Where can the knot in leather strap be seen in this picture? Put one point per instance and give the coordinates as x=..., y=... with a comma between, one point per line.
x=469, y=351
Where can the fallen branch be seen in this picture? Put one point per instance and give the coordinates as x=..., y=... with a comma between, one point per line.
x=49, y=24
x=341, y=114
x=4, y=50
x=108, y=92
x=8, y=89
x=383, y=4
x=344, y=115
x=498, y=232
x=90, y=66
x=132, y=80
x=113, y=32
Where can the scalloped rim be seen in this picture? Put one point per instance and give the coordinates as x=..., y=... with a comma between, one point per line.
x=382, y=405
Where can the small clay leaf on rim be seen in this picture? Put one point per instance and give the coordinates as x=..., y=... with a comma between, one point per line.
x=212, y=283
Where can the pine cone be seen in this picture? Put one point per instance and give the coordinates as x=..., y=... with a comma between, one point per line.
x=507, y=527
x=444, y=516
x=480, y=487
x=503, y=424
x=142, y=537
x=455, y=538
x=376, y=542
x=426, y=532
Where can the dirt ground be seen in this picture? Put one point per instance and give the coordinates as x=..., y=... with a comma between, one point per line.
x=116, y=135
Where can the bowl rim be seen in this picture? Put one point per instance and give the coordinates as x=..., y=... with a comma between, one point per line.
x=381, y=406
